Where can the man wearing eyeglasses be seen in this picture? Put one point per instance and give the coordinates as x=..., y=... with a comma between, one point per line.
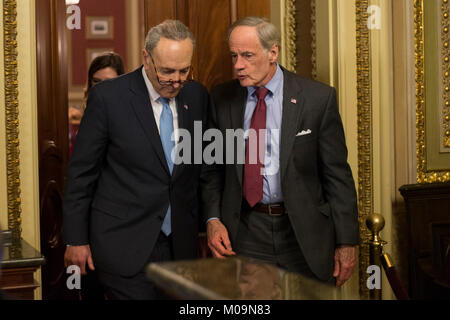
x=126, y=202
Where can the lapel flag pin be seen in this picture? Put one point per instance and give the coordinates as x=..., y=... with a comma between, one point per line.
x=186, y=107
x=294, y=101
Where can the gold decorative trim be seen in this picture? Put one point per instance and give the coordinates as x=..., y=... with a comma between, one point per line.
x=314, y=39
x=423, y=175
x=12, y=117
x=289, y=45
x=365, y=152
x=445, y=59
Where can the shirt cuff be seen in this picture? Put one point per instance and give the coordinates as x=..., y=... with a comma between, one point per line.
x=214, y=218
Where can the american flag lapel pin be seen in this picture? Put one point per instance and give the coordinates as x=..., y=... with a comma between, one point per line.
x=186, y=107
x=294, y=101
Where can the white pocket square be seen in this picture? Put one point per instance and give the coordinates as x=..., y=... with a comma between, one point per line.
x=304, y=133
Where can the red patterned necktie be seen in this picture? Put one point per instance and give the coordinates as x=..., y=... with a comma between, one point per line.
x=253, y=178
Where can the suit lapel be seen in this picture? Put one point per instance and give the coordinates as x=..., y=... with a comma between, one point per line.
x=144, y=112
x=293, y=105
x=237, y=111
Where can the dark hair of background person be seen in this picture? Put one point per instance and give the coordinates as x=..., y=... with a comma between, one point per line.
x=106, y=60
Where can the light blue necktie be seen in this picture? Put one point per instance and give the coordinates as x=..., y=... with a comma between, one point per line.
x=166, y=131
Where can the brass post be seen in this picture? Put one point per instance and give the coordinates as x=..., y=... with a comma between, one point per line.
x=375, y=223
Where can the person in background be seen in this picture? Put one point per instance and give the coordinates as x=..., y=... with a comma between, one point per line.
x=105, y=66
x=75, y=114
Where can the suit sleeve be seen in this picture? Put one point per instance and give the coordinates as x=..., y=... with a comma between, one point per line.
x=212, y=176
x=338, y=183
x=84, y=170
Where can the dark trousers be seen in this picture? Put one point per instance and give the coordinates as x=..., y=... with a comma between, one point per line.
x=91, y=288
x=270, y=239
x=138, y=287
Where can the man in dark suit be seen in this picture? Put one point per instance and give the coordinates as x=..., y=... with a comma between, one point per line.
x=295, y=206
x=127, y=202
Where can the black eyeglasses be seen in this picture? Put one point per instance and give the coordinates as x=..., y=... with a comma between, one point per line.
x=171, y=82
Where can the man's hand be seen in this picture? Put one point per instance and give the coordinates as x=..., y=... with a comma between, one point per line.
x=344, y=262
x=218, y=240
x=79, y=255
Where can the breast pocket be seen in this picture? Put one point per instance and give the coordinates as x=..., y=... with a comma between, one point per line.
x=305, y=149
x=305, y=138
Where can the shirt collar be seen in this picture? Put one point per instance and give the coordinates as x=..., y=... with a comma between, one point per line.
x=154, y=96
x=273, y=85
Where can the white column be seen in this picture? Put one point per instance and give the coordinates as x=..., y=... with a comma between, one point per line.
x=28, y=128
x=383, y=115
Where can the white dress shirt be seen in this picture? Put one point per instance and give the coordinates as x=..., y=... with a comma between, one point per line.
x=158, y=107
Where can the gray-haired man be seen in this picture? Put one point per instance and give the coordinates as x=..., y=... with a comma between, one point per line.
x=303, y=216
x=126, y=203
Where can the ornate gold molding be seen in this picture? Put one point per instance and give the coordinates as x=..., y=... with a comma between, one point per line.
x=445, y=59
x=289, y=43
x=423, y=175
x=314, y=39
x=12, y=117
x=365, y=158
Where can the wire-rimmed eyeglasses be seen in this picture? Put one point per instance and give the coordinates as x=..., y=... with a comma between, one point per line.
x=170, y=82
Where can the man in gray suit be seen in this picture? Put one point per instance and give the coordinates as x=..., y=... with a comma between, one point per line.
x=295, y=207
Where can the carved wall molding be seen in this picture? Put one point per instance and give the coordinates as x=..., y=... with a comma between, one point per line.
x=12, y=117
x=289, y=38
x=445, y=62
x=365, y=139
x=314, y=39
x=425, y=175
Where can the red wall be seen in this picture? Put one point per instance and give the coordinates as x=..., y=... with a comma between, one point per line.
x=80, y=44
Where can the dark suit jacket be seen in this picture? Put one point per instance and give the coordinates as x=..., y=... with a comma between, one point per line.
x=316, y=180
x=118, y=184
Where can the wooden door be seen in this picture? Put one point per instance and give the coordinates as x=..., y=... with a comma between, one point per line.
x=209, y=22
x=53, y=141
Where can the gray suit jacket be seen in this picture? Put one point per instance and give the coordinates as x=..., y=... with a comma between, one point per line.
x=316, y=180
